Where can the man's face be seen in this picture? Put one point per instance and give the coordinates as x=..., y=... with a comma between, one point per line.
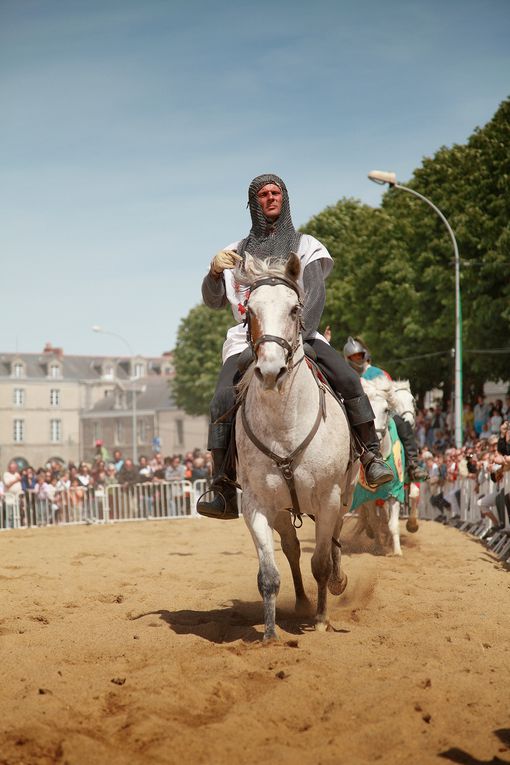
x=357, y=358
x=270, y=200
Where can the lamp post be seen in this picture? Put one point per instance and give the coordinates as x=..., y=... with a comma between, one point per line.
x=381, y=177
x=97, y=328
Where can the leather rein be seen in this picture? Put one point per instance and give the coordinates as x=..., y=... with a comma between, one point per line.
x=285, y=464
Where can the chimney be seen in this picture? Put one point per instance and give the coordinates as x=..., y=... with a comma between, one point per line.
x=58, y=352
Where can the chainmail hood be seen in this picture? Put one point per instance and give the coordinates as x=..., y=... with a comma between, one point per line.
x=269, y=239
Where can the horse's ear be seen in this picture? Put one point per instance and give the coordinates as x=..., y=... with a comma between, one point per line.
x=293, y=267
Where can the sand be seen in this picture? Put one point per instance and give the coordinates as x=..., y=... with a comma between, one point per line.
x=140, y=643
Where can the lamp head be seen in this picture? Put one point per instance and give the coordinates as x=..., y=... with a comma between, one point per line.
x=381, y=177
x=97, y=328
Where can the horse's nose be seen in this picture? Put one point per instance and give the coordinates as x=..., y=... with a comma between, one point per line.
x=270, y=378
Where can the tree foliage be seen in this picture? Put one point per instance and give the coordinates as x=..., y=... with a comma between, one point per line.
x=197, y=357
x=393, y=279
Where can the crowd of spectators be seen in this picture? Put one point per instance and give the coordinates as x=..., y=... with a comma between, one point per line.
x=47, y=484
x=484, y=457
x=486, y=451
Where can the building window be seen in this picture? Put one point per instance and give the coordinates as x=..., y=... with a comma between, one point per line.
x=143, y=431
x=18, y=370
x=108, y=372
x=54, y=397
x=98, y=431
x=179, y=430
x=55, y=371
x=55, y=431
x=119, y=432
x=19, y=397
x=139, y=370
x=19, y=431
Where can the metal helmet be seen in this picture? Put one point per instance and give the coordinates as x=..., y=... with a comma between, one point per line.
x=351, y=347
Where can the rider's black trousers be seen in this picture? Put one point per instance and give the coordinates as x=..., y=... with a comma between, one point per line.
x=342, y=378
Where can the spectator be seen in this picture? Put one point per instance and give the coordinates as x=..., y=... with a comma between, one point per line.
x=145, y=470
x=12, y=479
x=503, y=444
x=128, y=474
x=199, y=471
x=174, y=469
x=84, y=474
x=110, y=478
x=118, y=460
x=481, y=414
x=495, y=420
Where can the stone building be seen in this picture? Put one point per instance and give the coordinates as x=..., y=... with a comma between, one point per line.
x=54, y=405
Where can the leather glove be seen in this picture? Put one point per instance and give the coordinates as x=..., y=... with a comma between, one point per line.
x=224, y=259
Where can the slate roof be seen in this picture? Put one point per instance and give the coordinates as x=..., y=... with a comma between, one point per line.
x=73, y=367
x=155, y=397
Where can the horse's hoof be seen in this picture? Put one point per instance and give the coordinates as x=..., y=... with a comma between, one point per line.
x=270, y=637
x=337, y=586
x=322, y=626
x=412, y=525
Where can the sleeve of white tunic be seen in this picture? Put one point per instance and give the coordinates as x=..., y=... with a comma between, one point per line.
x=316, y=265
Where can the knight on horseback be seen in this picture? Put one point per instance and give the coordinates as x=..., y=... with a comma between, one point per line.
x=358, y=357
x=273, y=236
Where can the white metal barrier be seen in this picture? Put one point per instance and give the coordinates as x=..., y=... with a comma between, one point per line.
x=120, y=502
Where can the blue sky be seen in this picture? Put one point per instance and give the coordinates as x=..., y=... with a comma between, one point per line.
x=130, y=130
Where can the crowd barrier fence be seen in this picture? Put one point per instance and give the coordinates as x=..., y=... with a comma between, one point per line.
x=459, y=503
x=112, y=504
x=464, y=503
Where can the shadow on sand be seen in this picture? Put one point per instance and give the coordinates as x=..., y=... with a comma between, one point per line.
x=464, y=758
x=238, y=621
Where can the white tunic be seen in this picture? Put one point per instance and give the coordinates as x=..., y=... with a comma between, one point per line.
x=310, y=249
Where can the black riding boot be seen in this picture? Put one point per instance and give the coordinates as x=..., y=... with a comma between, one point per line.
x=224, y=503
x=408, y=439
x=361, y=417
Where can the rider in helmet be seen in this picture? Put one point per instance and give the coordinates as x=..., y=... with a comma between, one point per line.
x=359, y=358
x=272, y=235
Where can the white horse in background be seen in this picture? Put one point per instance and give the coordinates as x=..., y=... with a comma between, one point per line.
x=404, y=401
x=405, y=406
x=284, y=409
x=380, y=518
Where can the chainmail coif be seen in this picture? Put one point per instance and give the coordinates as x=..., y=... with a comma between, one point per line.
x=269, y=239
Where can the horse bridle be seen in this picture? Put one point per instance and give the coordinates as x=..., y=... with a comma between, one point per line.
x=273, y=281
x=407, y=411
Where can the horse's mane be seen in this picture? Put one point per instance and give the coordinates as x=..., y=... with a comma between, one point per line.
x=254, y=269
x=402, y=384
x=381, y=385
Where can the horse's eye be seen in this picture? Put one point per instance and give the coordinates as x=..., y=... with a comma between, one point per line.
x=294, y=311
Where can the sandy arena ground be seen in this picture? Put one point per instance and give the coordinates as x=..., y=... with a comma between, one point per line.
x=140, y=643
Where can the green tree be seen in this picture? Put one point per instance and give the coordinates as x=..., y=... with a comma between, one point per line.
x=393, y=279
x=197, y=357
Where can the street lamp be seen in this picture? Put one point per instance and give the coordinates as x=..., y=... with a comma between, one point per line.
x=97, y=328
x=381, y=177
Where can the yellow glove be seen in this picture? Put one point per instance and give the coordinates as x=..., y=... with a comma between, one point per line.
x=224, y=259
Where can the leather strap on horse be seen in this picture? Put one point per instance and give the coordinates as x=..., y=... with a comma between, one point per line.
x=285, y=464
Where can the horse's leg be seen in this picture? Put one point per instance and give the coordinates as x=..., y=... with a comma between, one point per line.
x=412, y=522
x=292, y=551
x=338, y=579
x=378, y=523
x=326, y=520
x=393, y=524
x=268, y=579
